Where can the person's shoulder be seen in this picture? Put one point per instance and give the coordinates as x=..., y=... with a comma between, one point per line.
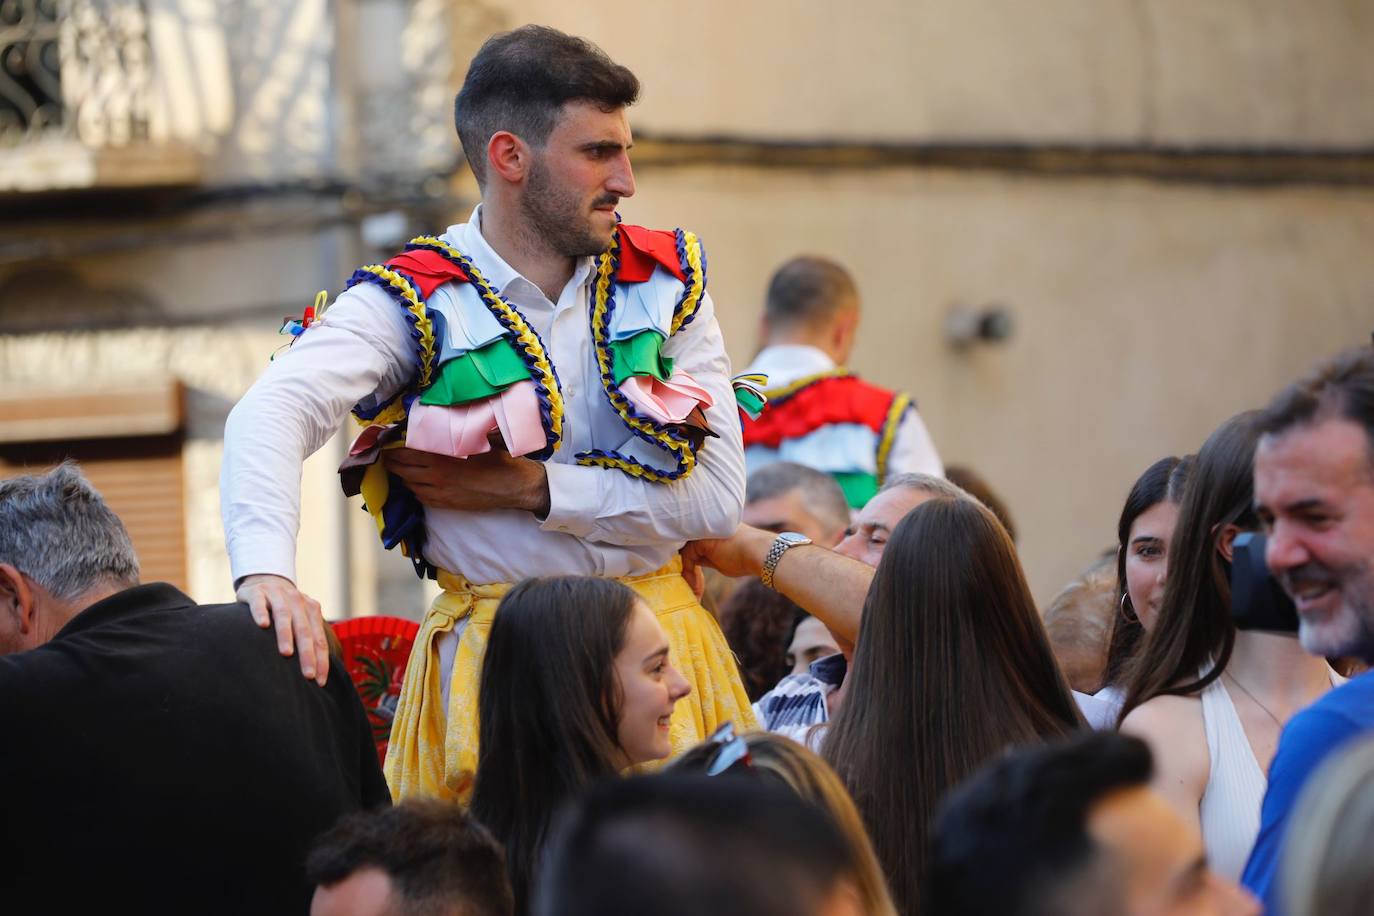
x=226, y=623
x=1348, y=708
x=1173, y=728
x=1355, y=696
x=1164, y=718
x=863, y=387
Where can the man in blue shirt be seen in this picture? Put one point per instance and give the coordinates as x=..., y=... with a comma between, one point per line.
x=1314, y=491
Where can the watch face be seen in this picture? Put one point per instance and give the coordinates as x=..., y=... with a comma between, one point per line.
x=793, y=538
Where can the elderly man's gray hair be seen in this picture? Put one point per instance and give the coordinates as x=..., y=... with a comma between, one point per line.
x=56, y=529
x=927, y=483
x=821, y=493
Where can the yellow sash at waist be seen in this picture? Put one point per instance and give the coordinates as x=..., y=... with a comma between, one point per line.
x=434, y=756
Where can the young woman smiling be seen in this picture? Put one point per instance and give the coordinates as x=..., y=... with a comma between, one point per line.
x=1144, y=532
x=1208, y=699
x=577, y=686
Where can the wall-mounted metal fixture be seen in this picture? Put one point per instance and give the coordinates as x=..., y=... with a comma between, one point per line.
x=969, y=325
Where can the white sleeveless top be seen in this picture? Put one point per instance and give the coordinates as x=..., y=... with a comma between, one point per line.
x=1230, y=806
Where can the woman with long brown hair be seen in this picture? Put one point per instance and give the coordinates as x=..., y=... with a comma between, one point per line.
x=1144, y=532
x=553, y=721
x=951, y=667
x=1211, y=700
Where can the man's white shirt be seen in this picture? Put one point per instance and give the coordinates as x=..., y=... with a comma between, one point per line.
x=601, y=521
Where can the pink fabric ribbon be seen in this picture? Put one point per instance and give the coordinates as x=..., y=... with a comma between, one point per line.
x=462, y=431
x=666, y=402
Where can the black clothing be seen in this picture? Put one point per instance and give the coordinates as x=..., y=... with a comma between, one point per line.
x=160, y=756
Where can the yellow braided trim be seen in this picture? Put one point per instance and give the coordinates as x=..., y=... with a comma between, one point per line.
x=416, y=306
x=528, y=341
x=894, y=419
x=393, y=412
x=632, y=468
x=691, y=246
x=604, y=278
x=777, y=394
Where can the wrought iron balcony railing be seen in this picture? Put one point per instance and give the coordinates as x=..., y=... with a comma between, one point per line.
x=76, y=96
x=74, y=69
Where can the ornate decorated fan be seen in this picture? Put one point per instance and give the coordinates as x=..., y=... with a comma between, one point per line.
x=375, y=652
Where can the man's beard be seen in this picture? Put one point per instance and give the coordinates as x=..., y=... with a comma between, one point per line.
x=1351, y=631
x=555, y=217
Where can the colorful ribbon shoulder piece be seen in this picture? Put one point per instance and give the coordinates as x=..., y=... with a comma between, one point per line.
x=482, y=370
x=808, y=405
x=295, y=327
x=495, y=373
x=313, y=313
x=406, y=293
x=646, y=288
x=833, y=421
x=479, y=369
x=749, y=393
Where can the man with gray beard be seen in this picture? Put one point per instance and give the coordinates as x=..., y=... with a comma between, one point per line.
x=1314, y=492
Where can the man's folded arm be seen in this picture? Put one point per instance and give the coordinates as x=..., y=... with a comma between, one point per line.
x=609, y=506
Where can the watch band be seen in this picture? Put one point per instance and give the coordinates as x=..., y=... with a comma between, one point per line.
x=784, y=542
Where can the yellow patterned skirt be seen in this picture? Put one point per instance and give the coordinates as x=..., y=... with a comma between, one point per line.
x=433, y=757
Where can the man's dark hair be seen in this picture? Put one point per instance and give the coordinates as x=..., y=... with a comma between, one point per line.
x=808, y=291
x=438, y=858
x=678, y=845
x=1339, y=387
x=520, y=79
x=1022, y=821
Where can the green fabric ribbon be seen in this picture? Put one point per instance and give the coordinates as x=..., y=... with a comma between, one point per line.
x=641, y=355
x=750, y=402
x=858, y=488
x=475, y=375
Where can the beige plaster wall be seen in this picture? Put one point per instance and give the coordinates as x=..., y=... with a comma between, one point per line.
x=1223, y=72
x=1146, y=313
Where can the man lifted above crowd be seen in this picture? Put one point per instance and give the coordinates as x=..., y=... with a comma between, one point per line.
x=819, y=413
x=543, y=389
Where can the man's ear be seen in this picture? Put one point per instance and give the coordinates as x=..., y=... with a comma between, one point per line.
x=843, y=332
x=1226, y=541
x=508, y=157
x=16, y=597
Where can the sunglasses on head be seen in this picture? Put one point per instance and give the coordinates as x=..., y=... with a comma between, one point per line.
x=731, y=751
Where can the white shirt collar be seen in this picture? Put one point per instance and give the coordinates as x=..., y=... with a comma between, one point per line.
x=467, y=238
x=785, y=363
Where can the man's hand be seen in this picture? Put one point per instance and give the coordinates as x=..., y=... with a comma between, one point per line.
x=494, y=480
x=830, y=586
x=300, y=625
x=741, y=554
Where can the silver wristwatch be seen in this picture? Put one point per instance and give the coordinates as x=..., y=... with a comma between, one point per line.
x=785, y=542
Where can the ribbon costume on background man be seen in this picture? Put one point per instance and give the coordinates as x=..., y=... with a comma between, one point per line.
x=819, y=413
x=610, y=389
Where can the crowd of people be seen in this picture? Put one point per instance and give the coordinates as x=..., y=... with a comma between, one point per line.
x=704, y=645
